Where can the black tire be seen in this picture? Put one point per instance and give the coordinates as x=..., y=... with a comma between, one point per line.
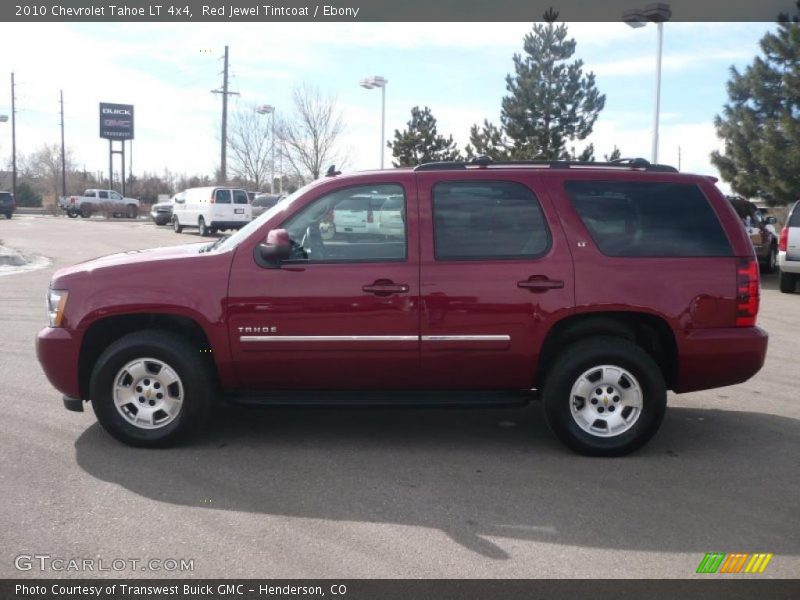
x=133, y=211
x=202, y=227
x=787, y=282
x=575, y=360
x=183, y=357
x=176, y=226
x=86, y=211
x=8, y=215
x=72, y=214
x=212, y=231
x=771, y=262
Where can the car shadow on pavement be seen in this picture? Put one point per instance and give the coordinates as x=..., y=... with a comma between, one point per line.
x=711, y=479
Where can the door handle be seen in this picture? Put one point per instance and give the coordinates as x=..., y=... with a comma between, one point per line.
x=539, y=284
x=385, y=287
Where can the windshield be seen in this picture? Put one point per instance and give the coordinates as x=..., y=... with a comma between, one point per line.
x=234, y=240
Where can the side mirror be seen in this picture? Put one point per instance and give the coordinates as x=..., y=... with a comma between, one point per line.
x=771, y=220
x=278, y=247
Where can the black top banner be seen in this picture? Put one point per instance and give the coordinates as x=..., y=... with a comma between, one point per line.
x=381, y=10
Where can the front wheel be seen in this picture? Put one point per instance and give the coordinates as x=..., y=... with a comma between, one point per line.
x=151, y=388
x=787, y=282
x=176, y=225
x=771, y=261
x=604, y=396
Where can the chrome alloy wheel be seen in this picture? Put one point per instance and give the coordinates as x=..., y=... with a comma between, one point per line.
x=606, y=401
x=148, y=393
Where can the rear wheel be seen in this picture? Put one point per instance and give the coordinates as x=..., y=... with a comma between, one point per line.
x=176, y=225
x=86, y=211
x=133, y=211
x=151, y=388
x=788, y=282
x=8, y=215
x=201, y=227
x=604, y=396
x=72, y=214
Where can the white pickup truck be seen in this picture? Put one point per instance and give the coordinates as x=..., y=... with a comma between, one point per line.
x=99, y=200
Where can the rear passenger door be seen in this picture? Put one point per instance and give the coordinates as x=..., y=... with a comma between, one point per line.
x=494, y=274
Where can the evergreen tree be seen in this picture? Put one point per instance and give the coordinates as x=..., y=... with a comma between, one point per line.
x=760, y=124
x=420, y=142
x=550, y=100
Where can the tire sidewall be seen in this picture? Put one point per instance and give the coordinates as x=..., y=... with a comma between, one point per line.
x=576, y=360
x=197, y=389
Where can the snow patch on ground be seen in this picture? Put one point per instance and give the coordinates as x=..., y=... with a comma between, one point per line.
x=13, y=261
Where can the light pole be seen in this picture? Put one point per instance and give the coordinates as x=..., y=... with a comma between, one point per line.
x=657, y=13
x=267, y=109
x=376, y=81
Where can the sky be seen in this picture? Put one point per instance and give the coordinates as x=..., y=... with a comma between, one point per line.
x=167, y=71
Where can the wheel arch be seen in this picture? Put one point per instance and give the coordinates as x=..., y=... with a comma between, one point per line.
x=650, y=332
x=103, y=332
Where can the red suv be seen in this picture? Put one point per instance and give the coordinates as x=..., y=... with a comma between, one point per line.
x=596, y=286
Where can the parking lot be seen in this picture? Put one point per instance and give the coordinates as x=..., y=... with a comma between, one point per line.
x=387, y=493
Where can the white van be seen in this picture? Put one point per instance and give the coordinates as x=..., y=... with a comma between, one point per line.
x=211, y=209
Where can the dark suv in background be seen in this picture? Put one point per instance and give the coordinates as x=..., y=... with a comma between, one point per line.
x=597, y=286
x=761, y=231
x=7, y=204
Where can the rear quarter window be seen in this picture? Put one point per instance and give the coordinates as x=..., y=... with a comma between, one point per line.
x=648, y=219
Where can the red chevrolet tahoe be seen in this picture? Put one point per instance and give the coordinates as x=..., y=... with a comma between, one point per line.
x=595, y=286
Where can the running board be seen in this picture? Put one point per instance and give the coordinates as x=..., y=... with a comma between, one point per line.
x=386, y=399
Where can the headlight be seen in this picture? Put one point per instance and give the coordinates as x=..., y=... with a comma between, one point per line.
x=56, y=301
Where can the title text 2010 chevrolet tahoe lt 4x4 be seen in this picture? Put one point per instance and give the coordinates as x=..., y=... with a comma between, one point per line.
x=599, y=286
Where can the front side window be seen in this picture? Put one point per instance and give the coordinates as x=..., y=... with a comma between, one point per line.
x=222, y=196
x=648, y=219
x=487, y=220
x=349, y=225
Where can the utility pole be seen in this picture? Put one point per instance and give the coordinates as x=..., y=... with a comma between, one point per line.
x=13, y=139
x=63, y=151
x=679, y=158
x=223, y=166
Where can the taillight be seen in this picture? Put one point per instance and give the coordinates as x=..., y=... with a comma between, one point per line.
x=72, y=199
x=747, y=292
x=783, y=241
x=211, y=200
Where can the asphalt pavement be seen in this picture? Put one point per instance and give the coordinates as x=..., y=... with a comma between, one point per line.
x=409, y=493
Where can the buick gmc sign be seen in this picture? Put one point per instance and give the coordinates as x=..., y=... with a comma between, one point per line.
x=116, y=121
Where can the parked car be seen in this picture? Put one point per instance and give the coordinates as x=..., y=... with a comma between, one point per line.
x=263, y=202
x=367, y=214
x=211, y=209
x=93, y=201
x=761, y=231
x=789, y=251
x=597, y=286
x=7, y=204
x=161, y=212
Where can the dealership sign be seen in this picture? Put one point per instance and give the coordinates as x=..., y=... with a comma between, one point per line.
x=116, y=121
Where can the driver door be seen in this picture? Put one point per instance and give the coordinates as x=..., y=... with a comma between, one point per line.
x=342, y=313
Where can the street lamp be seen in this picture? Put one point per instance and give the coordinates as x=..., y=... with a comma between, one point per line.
x=267, y=109
x=657, y=13
x=376, y=81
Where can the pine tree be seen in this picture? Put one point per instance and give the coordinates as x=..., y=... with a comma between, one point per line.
x=760, y=124
x=550, y=101
x=420, y=142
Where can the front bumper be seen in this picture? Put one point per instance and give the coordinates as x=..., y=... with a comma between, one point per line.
x=711, y=358
x=58, y=351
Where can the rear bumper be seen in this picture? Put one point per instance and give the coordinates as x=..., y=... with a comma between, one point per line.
x=58, y=350
x=228, y=224
x=711, y=358
x=786, y=265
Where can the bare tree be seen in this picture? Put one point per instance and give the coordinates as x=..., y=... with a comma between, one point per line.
x=250, y=145
x=309, y=137
x=43, y=169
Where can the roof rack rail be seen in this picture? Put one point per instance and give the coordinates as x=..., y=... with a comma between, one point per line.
x=483, y=162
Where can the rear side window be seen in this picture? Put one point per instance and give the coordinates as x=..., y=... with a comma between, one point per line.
x=102, y=194
x=222, y=196
x=240, y=197
x=485, y=220
x=648, y=219
x=794, y=218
